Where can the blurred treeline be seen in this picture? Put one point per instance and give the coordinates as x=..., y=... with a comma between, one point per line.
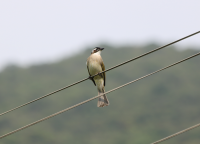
x=140, y=113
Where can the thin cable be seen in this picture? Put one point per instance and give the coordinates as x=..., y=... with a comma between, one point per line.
x=151, y=52
x=100, y=73
x=178, y=133
x=43, y=96
x=95, y=97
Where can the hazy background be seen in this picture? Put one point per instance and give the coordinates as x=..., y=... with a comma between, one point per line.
x=48, y=30
x=140, y=113
x=44, y=35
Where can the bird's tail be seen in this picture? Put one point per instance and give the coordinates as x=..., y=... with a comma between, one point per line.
x=103, y=100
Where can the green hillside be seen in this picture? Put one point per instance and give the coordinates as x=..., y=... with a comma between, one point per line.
x=140, y=113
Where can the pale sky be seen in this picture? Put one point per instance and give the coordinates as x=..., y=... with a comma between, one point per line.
x=37, y=31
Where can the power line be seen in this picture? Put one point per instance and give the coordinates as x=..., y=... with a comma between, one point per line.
x=100, y=73
x=96, y=97
x=178, y=133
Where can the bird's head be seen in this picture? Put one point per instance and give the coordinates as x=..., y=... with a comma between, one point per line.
x=97, y=50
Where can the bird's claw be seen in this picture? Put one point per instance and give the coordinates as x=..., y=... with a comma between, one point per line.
x=90, y=77
x=99, y=73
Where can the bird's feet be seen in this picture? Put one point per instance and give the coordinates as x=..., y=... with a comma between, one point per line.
x=99, y=73
x=90, y=77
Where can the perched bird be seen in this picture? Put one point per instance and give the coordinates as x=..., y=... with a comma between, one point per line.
x=95, y=65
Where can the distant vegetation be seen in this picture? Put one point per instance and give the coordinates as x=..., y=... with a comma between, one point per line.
x=140, y=113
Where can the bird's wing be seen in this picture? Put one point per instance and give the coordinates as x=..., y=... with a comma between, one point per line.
x=89, y=73
x=104, y=74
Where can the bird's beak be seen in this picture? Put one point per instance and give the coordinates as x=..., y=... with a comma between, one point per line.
x=102, y=49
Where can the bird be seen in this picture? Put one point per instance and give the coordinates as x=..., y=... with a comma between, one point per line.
x=95, y=65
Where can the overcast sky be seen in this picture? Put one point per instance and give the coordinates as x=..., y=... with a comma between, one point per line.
x=44, y=30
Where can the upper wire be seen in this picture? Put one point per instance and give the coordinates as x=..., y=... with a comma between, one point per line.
x=76, y=105
x=100, y=73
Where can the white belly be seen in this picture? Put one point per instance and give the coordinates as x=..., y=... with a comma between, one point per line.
x=94, y=68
